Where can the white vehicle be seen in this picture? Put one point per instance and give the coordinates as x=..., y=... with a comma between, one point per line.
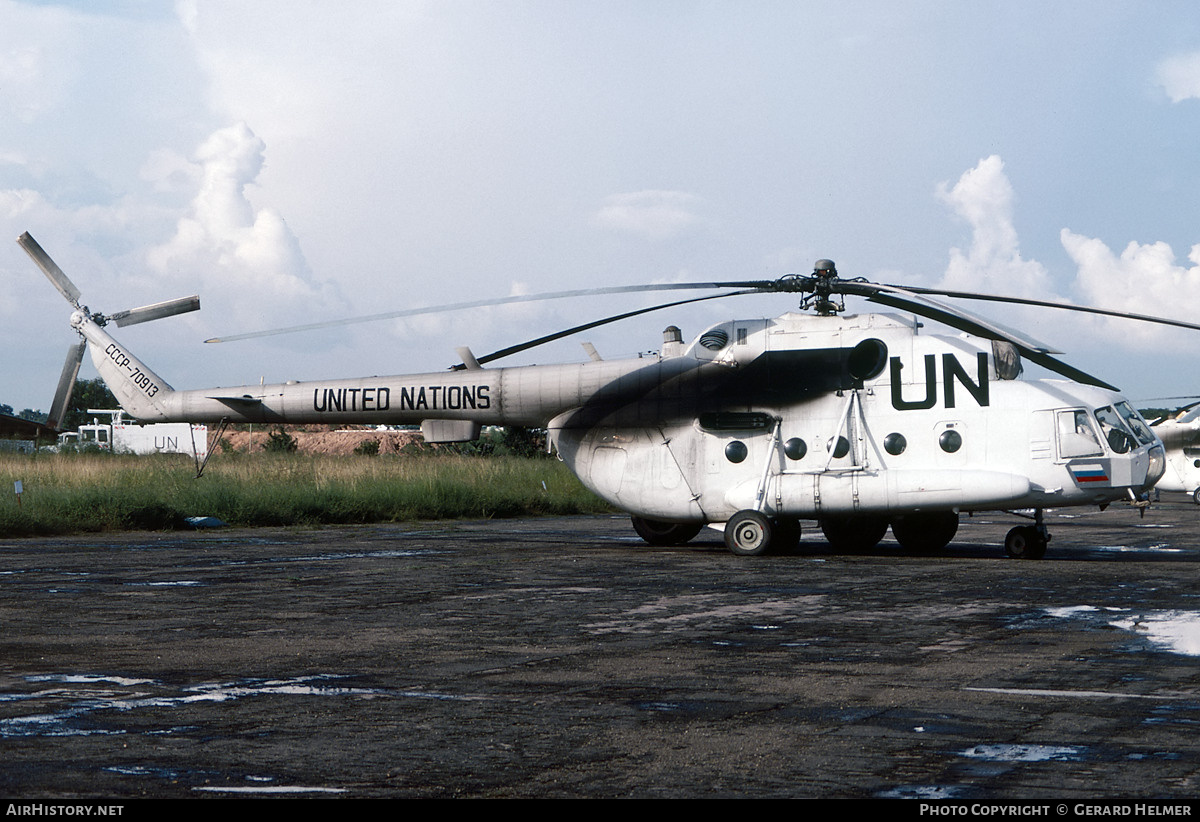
x=859, y=422
x=123, y=437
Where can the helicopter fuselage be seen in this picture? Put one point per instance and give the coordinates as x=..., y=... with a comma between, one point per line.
x=800, y=417
x=1181, y=439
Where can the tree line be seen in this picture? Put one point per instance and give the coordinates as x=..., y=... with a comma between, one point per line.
x=87, y=394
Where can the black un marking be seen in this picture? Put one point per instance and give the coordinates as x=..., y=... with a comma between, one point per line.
x=952, y=371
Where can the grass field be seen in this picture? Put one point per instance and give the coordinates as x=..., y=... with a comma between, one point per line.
x=72, y=493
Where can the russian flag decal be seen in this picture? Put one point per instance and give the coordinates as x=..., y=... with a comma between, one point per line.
x=1088, y=473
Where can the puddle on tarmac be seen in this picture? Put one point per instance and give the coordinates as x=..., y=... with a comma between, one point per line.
x=1174, y=631
x=1156, y=548
x=391, y=553
x=921, y=792
x=76, y=704
x=1023, y=753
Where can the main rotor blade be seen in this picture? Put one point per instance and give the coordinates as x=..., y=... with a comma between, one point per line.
x=438, y=309
x=66, y=385
x=1083, y=309
x=167, y=308
x=558, y=335
x=50, y=268
x=956, y=319
x=965, y=321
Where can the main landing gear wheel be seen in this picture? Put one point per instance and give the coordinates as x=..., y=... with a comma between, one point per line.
x=925, y=533
x=853, y=535
x=1196, y=496
x=1025, y=542
x=657, y=532
x=787, y=535
x=749, y=534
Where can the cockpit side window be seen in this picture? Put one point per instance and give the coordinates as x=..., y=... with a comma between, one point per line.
x=1076, y=436
x=1114, y=430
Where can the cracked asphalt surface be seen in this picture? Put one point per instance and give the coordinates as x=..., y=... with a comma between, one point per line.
x=564, y=658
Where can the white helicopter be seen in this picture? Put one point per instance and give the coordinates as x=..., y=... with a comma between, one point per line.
x=1180, y=435
x=857, y=421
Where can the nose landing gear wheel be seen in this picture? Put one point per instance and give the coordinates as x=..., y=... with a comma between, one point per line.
x=1025, y=542
x=749, y=534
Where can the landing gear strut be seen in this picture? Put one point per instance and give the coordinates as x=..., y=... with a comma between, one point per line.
x=1028, y=541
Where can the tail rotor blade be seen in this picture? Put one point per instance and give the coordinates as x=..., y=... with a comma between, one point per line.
x=66, y=385
x=167, y=308
x=50, y=268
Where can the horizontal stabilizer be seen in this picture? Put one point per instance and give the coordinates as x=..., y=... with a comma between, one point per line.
x=239, y=402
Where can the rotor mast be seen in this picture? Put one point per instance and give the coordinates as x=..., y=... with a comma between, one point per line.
x=824, y=279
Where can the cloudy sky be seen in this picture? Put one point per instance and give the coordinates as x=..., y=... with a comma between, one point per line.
x=301, y=161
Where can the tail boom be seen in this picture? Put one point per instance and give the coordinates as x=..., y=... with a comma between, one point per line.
x=141, y=392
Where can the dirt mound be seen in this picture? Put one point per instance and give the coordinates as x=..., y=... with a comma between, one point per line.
x=320, y=441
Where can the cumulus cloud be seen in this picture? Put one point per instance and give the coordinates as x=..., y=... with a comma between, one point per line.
x=654, y=214
x=983, y=197
x=1144, y=279
x=236, y=250
x=1180, y=76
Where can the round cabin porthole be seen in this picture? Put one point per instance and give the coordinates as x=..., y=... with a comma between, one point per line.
x=895, y=444
x=841, y=448
x=735, y=451
x=950, y=441
x=795, y=448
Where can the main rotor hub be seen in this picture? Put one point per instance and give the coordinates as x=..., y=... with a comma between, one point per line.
x=825, y=269
x=824, y=277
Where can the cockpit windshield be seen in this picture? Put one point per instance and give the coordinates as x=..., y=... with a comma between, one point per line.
x=1113, y=428
x=1135, y=422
